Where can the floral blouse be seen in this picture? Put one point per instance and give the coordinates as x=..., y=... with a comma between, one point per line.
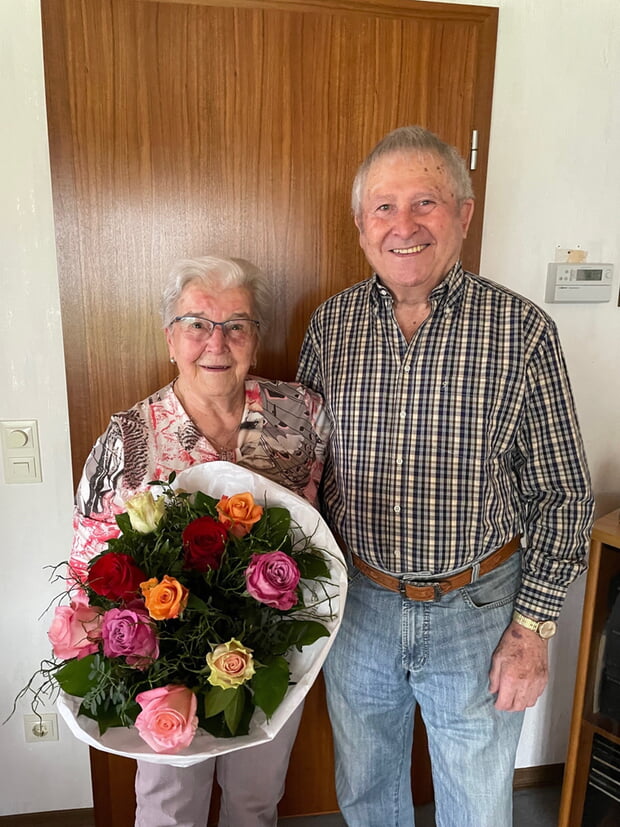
x=283, y=436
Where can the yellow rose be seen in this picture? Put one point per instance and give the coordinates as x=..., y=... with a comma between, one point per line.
x=164, y=599
x=145, y=512
x=231, y=664
x=238, y=513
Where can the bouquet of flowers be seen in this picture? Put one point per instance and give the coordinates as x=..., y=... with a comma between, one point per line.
x=189, y=622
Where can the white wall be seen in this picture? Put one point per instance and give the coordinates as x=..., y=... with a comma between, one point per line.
x=36, y=518
x=553, y=180
x=554, y=175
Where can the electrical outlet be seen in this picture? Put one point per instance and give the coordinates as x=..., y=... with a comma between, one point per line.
x=41, y=727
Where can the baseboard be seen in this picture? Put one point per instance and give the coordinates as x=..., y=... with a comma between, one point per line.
x=548, y=775
x=57, y=818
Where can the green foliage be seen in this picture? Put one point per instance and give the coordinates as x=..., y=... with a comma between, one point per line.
x=299, y=633
x=270, y=683
x=216, y=700
x=75, y=676
x=124, y=523
x=227, y=712
x=234, y=710
x=312, y=566
x=218, y=609
x=274, y=527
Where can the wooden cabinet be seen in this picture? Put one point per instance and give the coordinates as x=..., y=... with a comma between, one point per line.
x=604, y=565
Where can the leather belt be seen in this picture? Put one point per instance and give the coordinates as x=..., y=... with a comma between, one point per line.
x=427, y=590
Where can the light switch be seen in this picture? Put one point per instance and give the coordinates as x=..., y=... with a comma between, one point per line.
x=18, y=438
x=20, y=451
x=23, y=470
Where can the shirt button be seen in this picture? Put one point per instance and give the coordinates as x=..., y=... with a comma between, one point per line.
x=406, y=369
x=403, y=414
x=396, y=509
x=399, y=461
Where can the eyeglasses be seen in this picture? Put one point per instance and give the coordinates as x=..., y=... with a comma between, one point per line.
x=199, y=329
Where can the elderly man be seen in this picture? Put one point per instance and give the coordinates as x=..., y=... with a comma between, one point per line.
x=458, y=484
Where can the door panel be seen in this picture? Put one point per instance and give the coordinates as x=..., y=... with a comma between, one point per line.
x=181, y=128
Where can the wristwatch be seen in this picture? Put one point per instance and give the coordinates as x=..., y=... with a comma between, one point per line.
x=544, y=628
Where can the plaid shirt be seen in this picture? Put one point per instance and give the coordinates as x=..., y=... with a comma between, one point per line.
x=446, y=447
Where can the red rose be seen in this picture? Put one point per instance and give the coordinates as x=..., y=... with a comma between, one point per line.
x=203, y=543
x=115, y=576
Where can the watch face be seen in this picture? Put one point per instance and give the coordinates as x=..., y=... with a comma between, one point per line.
x=547, y=629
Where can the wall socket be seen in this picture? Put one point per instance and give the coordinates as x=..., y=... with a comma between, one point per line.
x=41, y=727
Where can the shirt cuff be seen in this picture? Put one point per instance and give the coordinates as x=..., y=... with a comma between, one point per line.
x=539, y=600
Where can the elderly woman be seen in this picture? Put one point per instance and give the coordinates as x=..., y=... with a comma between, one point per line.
x=215, y=311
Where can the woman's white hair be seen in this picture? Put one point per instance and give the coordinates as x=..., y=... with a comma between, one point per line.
x=215, y=273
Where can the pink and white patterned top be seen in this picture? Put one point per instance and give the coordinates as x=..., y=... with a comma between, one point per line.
x=283, y=436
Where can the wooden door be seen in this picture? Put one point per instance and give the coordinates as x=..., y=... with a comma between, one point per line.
x=185, y=127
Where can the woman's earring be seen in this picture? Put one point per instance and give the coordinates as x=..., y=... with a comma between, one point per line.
x=173, y=360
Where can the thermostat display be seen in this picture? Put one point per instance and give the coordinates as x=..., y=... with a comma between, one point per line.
x=588, y=275
x=578, y=282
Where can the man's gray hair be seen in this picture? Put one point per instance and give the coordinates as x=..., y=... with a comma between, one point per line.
x=414, y=139
x=214, y=273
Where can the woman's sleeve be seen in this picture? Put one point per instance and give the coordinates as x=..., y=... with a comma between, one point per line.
x=321, y=425
x=97, y=500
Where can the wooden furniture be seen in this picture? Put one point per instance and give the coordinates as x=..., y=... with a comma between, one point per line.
x=604, y=565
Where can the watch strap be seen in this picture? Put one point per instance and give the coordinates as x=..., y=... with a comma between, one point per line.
x=544, y=628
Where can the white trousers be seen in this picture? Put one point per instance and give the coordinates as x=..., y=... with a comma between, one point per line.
x=252, y=783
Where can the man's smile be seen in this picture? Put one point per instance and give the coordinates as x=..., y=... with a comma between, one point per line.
x=406, y=251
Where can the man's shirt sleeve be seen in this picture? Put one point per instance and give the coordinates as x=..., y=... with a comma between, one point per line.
x=555, y=484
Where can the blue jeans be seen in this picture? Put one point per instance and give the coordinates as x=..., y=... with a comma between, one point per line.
x=392, y=653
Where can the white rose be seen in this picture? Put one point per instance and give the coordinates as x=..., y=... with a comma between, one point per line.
x=145, y=512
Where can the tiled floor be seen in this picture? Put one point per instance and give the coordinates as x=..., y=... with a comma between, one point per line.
x=534, y=807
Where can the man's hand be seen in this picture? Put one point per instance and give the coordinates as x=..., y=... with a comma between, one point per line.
x=519, y=669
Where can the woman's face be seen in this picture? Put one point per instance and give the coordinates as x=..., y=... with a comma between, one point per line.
x=216, y=366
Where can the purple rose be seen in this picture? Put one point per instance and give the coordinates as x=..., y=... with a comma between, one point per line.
x=128, y=633
x=272, y=579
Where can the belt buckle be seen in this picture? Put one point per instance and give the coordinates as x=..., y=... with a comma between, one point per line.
x=420, y=584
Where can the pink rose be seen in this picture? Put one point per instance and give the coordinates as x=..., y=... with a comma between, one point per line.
x=168, y=719
x=272, y=579
x=129, y=633
x=75, y=629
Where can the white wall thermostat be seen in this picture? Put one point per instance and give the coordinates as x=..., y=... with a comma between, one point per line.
x=578, y=282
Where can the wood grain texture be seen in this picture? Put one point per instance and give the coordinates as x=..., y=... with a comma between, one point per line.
x=182, y=128
x=178, y=129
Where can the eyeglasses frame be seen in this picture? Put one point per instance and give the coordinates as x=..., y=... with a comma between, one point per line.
x=215, y=324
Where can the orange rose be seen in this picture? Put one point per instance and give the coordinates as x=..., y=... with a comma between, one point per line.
x=239, y=513
x=166, y=599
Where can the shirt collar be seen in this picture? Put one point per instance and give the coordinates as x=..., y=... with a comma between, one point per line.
x=446, y=291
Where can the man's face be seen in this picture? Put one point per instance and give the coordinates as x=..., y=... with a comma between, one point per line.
x=411, y=225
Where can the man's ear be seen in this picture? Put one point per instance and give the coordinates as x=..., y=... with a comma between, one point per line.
x=466, y=212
